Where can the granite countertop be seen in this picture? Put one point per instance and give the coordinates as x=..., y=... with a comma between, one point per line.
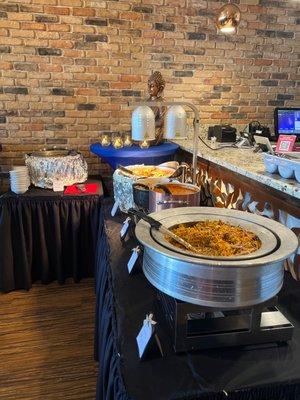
x=245, y=162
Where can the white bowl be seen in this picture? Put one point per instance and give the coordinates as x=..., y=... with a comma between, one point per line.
x=286, y=169
x=271, y=163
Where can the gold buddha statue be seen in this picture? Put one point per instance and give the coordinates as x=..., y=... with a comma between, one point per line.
x=156, y=85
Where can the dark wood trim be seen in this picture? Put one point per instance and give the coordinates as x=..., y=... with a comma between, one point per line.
x=259, y=191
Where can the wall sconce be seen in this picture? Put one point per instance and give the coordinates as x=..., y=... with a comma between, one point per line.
x=175, y=123
x=140, y=121
x=228, y=18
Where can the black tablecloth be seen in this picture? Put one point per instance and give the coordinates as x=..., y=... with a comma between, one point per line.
x=46, y=236
x=263, y=373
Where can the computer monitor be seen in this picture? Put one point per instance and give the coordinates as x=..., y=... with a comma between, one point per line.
x=287, y=121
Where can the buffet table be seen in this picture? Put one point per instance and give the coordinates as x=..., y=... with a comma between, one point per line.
x=46, y=235
x=122, y=302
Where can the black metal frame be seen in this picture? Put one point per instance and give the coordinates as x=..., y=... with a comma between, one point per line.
x=195, y=327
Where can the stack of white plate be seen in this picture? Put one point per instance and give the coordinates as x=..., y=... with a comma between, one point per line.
x=19, y=179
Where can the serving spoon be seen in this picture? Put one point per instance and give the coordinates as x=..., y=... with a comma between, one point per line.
x=161, y=228
x=124, y=169
x=164, y=188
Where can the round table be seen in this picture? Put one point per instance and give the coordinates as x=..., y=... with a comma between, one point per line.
x=135, y=155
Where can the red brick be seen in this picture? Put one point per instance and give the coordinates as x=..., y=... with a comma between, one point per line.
x=22, y=33
x=5, y=65
x=131, y=16
x=57, y=10
x=34, y=26
x=89, y=12
x=87, y=91
x=130, y=78
x=262, y=61
x=50, y=68
x=59, y=27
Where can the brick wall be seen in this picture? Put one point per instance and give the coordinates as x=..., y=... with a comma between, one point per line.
x=68, y=66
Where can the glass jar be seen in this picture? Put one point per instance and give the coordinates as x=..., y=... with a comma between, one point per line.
x=144, y=144
x=105, y=140
x=117, y=140
x=127, y=141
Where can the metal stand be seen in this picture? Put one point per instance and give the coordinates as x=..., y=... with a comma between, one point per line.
x=195, y=327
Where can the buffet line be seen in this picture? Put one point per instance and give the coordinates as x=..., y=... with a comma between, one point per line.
x=217, y=271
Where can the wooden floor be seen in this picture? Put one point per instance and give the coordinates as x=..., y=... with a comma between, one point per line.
x=46, y=343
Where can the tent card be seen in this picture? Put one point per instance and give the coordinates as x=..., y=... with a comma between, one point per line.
x=58, y=185
x=147, y=338
x=133, y=259
x=285, y=143
x=114, y=209
x=145, y=334
x=125, y=227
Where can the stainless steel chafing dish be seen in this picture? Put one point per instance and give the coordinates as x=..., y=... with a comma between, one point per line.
x=223, y=283
x=122, y=183
x=56, y=166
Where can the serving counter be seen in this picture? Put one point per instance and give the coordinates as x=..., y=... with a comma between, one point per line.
x=236, y=178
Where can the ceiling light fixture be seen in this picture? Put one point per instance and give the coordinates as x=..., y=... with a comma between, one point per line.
x=228, y=18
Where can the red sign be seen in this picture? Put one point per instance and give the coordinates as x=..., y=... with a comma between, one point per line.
x=285, y=143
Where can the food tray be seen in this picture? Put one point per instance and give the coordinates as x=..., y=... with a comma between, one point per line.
x=60, y=167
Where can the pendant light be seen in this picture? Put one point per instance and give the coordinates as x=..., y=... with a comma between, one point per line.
x=228, y=18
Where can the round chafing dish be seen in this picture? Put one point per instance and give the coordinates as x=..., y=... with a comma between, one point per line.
x=161, y=201
x=122, y=183
x=147, y=197
x=218, y=282
x=141, y=191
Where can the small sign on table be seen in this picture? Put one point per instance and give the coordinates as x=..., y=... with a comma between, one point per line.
x=147, y=340
x=125, y=227
x=114, y=209
x=285, y=143
x=133, y=259
x=58, y=185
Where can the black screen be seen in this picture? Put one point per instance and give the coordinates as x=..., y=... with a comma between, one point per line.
x=287, y=121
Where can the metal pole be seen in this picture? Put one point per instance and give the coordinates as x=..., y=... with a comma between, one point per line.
x=196, y=125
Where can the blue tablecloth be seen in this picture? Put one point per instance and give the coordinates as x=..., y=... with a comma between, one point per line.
x=135, y=155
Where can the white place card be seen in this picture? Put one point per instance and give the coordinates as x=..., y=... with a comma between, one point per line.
x=58, y=186
x=133, y=259
x=114, y=209
x=145, y=334
x=125, y=227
